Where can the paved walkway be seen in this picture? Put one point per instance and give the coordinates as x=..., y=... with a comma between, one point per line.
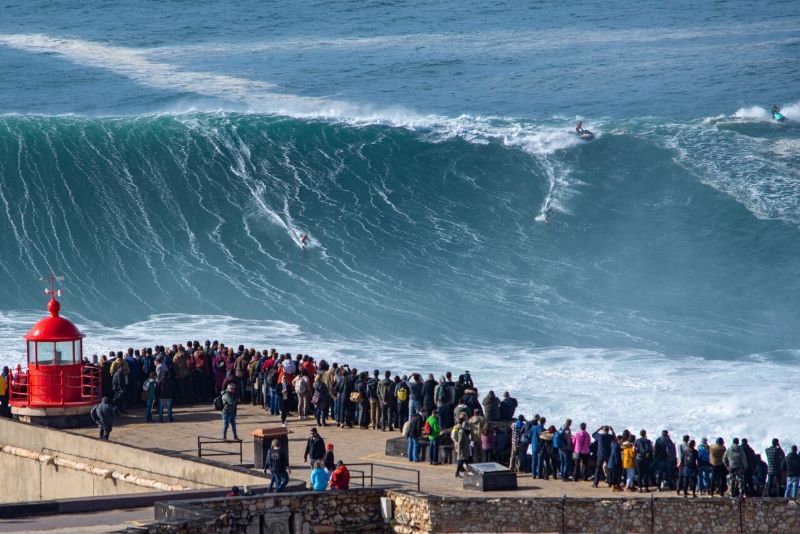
x=350, y=445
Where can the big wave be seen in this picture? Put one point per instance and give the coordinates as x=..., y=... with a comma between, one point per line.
x=419, y=232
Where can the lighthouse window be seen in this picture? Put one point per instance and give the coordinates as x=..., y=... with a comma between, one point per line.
x=31, y=352
x=78, y=351
x=63, y=353
x=45, y=355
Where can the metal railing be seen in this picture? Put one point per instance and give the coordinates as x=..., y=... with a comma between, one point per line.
x=207, y=440
x=369, y=474
x=52, y=389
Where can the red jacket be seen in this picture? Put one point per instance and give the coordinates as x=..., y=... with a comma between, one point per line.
x=340, y=478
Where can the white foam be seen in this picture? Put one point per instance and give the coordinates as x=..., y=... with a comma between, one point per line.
x=754, y=113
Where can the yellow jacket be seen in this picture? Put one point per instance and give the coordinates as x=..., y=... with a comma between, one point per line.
x=628, y=455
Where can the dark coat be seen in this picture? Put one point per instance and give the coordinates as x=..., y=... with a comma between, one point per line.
x=791, y=464
x=415, y=426
x=315, y=448
x=428, y=389
x=103, y=414
x=415, y=391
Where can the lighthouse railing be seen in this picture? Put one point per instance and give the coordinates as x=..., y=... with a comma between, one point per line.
x=19, y=386
x=55, y=388
x=90, y=387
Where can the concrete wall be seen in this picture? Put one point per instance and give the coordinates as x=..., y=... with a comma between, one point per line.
x=416, y=513
x=36, y=480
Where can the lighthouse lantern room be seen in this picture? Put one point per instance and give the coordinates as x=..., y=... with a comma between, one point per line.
x=57, y=388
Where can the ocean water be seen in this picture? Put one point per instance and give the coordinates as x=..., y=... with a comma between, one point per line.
x=166, y=157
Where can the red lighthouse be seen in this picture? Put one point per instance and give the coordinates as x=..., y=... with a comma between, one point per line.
x=57, y=388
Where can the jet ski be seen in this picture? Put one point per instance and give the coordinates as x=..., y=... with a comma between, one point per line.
x=778, y=116
x=586, y=135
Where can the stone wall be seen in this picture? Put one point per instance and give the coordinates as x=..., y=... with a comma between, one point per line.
x=307, y=512
x=416, y=513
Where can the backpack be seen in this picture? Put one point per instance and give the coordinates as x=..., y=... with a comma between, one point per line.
x=525, y=437
x=558, y=439
x=272, y=377
x=406, y=428
x=218, y=403
x=372, y=388
x=402, y=394
x=442, y=395
x=426, y=429
x=301, y=386
x=388, y=389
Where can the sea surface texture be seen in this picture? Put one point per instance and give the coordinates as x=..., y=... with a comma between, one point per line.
x=166, y=157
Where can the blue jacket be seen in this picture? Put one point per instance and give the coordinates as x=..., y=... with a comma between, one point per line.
x=615, y=456
x=534, y=436
x=319, y=479
x=603, y=445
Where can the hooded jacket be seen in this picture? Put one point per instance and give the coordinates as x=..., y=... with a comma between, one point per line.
x=103, y=414
x=735, y=458
x=491, y=407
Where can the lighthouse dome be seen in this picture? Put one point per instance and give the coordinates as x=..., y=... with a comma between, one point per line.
x=54, y=328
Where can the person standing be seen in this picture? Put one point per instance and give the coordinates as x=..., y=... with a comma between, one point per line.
x=735, y=460
x=415, y=394
x=433, y=436
x=329, y=462
x=604, y=440
x=321, y=399
x=401, y=400
x=704, y=476
x=644, y=458
x=533, y=436
x=428, y=391
x=516, y=463
x=149, y=391
x=716, y=455
x=375, y=403
x=230, y=404
x=315, y=448
x=775, y=458
x=507, y=407
x=413, y=435
x=690, y=466
x=791, y=464
x=385, y=394
x=462, y=446
x=564, y=439
x=166, y=395
x=103, y=416
x=628, y=463
x=615, y=464
x=276, y=461
x=581, y=443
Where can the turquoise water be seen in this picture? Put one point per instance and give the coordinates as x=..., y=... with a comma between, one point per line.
x=167, y=157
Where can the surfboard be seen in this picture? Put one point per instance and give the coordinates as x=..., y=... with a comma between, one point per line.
x=778, y=116
x=585, y=135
